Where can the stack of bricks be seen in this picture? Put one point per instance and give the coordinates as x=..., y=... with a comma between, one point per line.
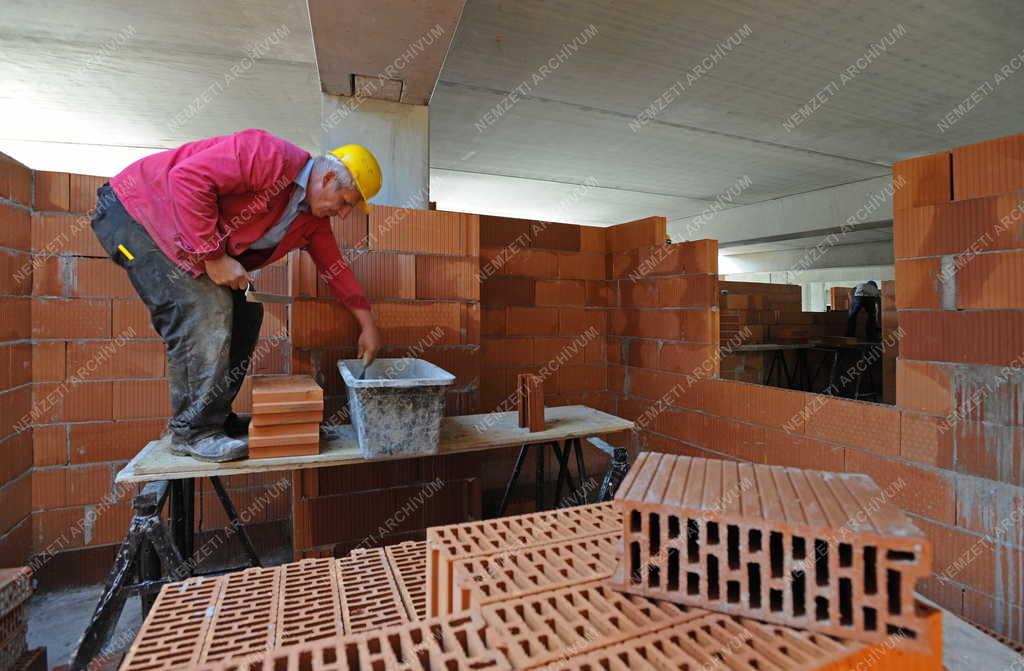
x=539, y=601
x=419, y=271
x=808, y=549
x=15, y=590
x=286, y=416
x=957, y=218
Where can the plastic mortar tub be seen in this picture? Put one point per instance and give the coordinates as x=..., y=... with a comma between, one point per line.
x=396, y=409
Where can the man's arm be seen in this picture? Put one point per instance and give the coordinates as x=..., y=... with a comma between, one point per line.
x=336, y=272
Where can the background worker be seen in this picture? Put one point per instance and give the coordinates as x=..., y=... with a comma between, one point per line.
x=865, y=296
x=189, y=223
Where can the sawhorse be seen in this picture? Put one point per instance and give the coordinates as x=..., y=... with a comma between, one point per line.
x=153, y=555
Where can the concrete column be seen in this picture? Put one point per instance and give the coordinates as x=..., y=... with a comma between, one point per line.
x=396, y=133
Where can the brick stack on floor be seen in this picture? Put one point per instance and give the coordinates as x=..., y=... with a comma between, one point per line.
x=286, y=416
x=537, y=591
x=15, y=589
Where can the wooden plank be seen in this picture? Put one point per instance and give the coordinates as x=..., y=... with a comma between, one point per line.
x=465, y=433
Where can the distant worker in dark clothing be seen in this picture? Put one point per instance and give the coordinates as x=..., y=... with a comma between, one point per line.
x=866, y=297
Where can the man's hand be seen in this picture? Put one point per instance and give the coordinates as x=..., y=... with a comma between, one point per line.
x=369, y=340
x=227, y=272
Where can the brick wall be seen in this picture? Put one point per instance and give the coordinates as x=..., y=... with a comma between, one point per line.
x=419, y=270
x=98, y=390
x=15, y=363
x=960, y=302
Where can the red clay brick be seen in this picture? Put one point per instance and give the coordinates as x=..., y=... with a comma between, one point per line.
x=581, y=378
x=686, y=291
x=602, y=294
x=131, y=319
x=713, y=506
x=786, y=449
x=563, y=351
x=504, y=231
x=420, y=231
x=98, y=278
x=48, y=276
x=48, y=361
x=115, y=359
x=561, y=292
x=924, y=180
x=15, y=182
x=15, y=230
x=649, y=232
x=990, y=281
x=385, y=275
x=530, y=263
x=302, y=275
x=574, y=322
x=592, y=239
x=72, y=401
x=83, y=192
x=989, y=450
x=498, y=291
x=918, y=284
x=111, y=441
x=53, y=191
x=926, y=440
x=470, y=321
x=994, y=337
x=322, y=323
x=581, y=266
x=989, y=508
x=978, y=225
x=49, y=445
x=686, y=357
x=990, y=167
x=417, y=323
x=266, y=438
x=445, y=277
x=351, y=231
x=924, y=387
x=565, y=237
x=505, y=352
x=57, y=318
x=408, y=562
x=643, y=353
x=140, y=399
x=17, y=276
x=64, y=234
x=638, y=294
x=532, y=321
x=869, y=426
x=926, y=492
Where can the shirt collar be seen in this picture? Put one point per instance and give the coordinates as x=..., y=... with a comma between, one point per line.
x=302, y=181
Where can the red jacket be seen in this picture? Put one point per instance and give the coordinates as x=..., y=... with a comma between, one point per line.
x=218, y=196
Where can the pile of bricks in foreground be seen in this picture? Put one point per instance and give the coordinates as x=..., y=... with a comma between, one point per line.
x=286, y=416
x=536, y=591
x=15, y=589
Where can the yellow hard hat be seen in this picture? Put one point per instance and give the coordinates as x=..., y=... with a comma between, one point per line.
x=364, y=169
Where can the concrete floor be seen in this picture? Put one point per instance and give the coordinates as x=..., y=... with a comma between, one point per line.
x=58, y=619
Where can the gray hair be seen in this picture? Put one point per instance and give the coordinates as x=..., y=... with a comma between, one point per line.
x=326, y=163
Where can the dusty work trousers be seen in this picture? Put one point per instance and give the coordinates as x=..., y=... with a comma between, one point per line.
x=870, y=305
x=210, y=331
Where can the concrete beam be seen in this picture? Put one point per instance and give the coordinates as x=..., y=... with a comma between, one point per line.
x=811, y=259
x=857, y=204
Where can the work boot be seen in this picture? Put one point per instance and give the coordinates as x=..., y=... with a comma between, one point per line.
x=215, y=446
x=236, y=425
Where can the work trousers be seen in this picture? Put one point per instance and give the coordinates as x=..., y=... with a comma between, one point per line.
x=210, y=330
x=870, y=305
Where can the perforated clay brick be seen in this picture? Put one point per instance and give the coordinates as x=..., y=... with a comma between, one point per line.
x=506, y=575
x=408, y=562
x=810, y=549
x=480, y=539
x=370, y=593
x=453, y=644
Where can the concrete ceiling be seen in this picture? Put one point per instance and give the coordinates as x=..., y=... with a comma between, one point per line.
x=573, y=126
x=89, y=86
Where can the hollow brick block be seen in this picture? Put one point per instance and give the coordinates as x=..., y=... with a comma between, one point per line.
x=454, y=643
x=483, y=580
x=447, y=544
x=371, y=598
x=15, y=588
x=408, y=562
x=822, y=551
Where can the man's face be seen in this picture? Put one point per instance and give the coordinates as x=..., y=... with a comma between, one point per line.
x=326, y=201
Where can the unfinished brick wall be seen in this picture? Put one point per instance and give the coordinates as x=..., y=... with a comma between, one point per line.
x=15, y=363
x=95, y=391
x=957, y=227
x=545, y=306
x=419, y=270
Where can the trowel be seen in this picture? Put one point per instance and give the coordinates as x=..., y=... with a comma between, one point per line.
x=254, y=296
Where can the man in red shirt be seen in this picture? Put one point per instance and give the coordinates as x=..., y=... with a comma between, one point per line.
x=189, y=224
